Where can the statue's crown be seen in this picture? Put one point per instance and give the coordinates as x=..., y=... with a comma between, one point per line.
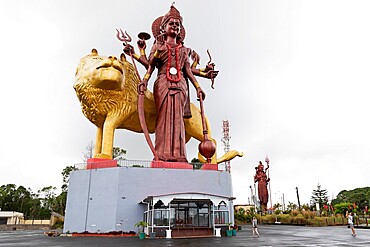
x=173, y=13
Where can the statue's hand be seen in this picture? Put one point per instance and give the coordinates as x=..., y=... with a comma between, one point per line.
x=201, y=93
x=141, y=44
x=211, y=74
x=209, y=67
x=195, y=57
x=129, y=49
x=141, y=88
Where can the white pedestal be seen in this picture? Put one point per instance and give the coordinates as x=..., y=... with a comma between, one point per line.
x=168, y=233
x=94, y=204
x=218, y=232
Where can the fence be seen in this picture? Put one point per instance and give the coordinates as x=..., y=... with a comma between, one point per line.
x=37, y=222
x=362, y=220
x=121, y=163
x=134, y=163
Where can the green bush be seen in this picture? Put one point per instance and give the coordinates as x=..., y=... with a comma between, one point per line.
x=298, y=220
x=284, y=218
x=307, y=218
x=268, y=219
x=294, y=212
x=342, y=208
x=277, y=211
x=59, y=223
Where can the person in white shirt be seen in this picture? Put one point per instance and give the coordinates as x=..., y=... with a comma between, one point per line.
x=254, y=227
x=350, y=222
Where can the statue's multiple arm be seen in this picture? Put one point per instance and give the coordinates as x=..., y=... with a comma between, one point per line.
x=189, y=73
x=129, y=49
x=149, y=64
x=207, y=72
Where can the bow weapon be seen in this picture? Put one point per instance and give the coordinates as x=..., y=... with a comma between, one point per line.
x=212, y=67
x=125, y=38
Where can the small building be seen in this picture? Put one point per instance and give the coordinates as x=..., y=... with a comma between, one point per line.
x=11, y=218
x=174, y=202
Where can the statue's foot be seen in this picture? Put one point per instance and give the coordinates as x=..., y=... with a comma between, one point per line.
x=103, y=156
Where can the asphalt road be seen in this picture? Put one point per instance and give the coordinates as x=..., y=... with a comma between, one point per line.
x=271, y=235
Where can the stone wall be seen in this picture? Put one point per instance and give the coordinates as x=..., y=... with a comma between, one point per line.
x=23, y=227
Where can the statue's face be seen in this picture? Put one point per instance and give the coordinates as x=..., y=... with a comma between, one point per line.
x=173, y=27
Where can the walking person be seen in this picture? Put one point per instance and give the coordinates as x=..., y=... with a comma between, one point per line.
x=254, y=227
x=350, y=222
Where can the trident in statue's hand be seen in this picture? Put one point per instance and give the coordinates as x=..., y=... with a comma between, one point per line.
x=123, y=36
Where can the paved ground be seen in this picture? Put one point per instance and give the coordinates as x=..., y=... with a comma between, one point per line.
x=271, y=235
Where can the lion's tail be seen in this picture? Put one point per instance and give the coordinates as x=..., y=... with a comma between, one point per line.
x=226, y=157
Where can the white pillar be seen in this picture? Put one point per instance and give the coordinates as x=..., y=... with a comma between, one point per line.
x=168, y=233
x=218, y=232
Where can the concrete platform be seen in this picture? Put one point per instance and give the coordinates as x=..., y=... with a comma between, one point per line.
x=271, y=235
x=112, y=199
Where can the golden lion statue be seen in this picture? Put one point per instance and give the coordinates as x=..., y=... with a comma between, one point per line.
x=107, y=90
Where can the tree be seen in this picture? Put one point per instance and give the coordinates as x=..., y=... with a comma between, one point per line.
x=13, y=198
x=89, y=151
x=277, y=206
x=306, y=207
x=61, y=199
x=118, y=153
x=59, y=204
x=7, y=202
x=66, y=173
x=47, y=198
x=342, y=208
x=196, y=163
x=20, y=199
x=359, y=196
x=23, y=196
x=320, y=196
x=291, y=206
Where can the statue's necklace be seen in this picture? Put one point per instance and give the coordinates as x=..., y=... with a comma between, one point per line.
x=172, y=70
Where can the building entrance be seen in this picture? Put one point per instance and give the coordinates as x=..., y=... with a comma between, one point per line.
x=191, y=213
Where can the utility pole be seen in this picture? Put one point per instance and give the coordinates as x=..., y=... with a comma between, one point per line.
x=299, y=203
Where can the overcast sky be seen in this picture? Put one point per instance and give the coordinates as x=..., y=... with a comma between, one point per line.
x=293, y=83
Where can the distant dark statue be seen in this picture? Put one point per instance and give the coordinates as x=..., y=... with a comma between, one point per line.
x=263, y=181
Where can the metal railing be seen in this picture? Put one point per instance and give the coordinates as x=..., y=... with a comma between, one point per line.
x=133, y=163
x=120, y=163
